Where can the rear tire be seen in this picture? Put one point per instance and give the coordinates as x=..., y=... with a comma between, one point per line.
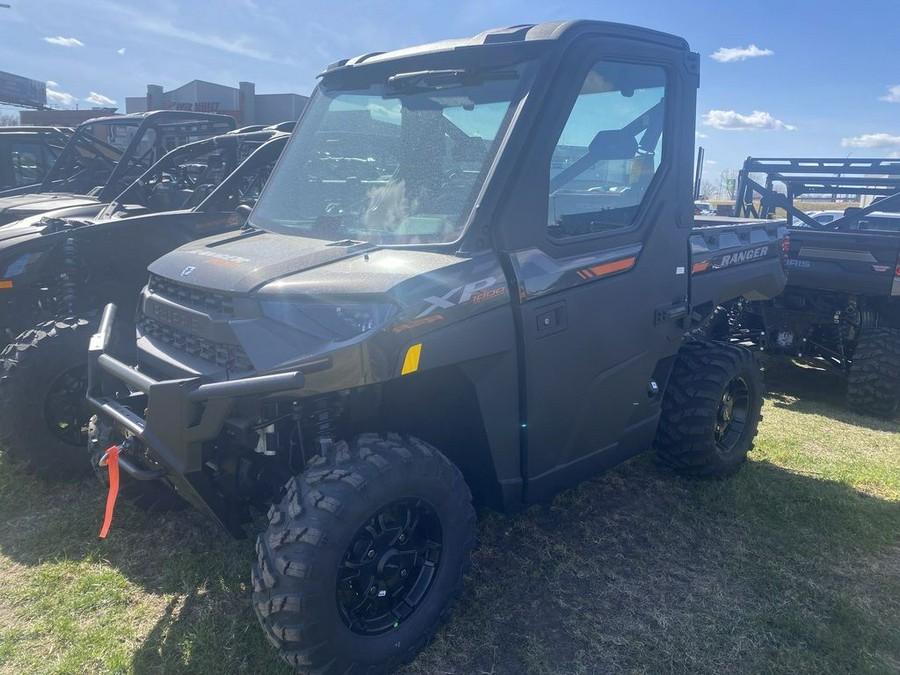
x=364, y=557
x=43, y=411
x=710, y=410
x=873, y=387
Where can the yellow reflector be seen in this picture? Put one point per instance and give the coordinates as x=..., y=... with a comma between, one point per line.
x=6, y=283
x=411, y=362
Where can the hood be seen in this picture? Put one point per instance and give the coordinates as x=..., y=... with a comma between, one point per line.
x=18, y=231
x=240, y=263
x=43, y=223
x=22, y=206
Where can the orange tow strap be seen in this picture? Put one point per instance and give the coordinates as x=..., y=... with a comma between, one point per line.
x=110, y=460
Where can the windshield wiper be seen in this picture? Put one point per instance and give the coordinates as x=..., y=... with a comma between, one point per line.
x=346, y=242
x=425, y=80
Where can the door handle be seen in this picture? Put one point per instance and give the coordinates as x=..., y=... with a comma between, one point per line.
x=672, y=313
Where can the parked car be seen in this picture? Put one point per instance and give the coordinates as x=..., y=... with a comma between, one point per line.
x=704, y=209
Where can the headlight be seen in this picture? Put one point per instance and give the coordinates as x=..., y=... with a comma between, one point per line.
x=20, y=264
x=330, y=322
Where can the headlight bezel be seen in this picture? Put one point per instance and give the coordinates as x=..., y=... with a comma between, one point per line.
x=330, y=320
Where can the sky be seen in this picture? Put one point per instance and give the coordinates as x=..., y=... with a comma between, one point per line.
x=813, y=78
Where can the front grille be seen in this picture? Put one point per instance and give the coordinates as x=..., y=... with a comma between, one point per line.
x=230, y=357
x=195, y=298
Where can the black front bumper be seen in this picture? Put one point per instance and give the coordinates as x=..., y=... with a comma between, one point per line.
x=180, y=415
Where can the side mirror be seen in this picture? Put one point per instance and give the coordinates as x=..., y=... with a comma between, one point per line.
x=243, y=211
x=613, y=144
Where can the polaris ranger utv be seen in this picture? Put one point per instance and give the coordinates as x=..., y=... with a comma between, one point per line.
x=27, y=153
x=104, y=156
x=56, y=275
x=470, y=270
x=39, y=281
x=841, y=307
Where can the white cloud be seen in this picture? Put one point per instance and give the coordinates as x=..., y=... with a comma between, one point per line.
x=699, y=134
x=51, y=83
x=872, y=141
x=729, y=120
x=711, y=162
x=893, y=95
x=64, y=41
x=730, y=54
x=60, y=98
x=120, y=51
x=99, y=99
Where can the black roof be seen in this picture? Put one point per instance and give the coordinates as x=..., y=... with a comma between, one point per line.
x=552, y=31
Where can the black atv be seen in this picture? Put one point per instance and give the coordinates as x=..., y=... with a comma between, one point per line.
x=27, y=153
x=57, y=273
x=841, y=307
x=104, y=156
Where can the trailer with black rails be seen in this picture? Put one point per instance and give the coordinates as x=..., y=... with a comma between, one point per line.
x=104, y=156
x=56, y=274
x=475, y=269
x=841, y=307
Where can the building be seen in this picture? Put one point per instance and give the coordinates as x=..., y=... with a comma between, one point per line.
x=242, y=103
x=62, y=118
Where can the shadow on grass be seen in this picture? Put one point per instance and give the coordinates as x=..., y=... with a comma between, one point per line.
x=815, y=391
x=636, y=570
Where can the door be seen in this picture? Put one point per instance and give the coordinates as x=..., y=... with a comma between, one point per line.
x=603, y=285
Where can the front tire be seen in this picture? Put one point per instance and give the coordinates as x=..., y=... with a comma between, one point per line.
x=364, y=557
x=711, y=409
x=43, y=411
x=873, y=387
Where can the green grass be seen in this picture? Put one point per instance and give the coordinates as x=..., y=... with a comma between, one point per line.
x=792, y=566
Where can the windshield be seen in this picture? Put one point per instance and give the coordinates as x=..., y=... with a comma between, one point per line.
x=185, y=176
x=89, y=157
x=400, y=162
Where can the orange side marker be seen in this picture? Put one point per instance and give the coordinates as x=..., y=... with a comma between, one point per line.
x=700, y=267
x=110, y=460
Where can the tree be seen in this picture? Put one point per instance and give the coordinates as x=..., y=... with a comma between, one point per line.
x=9, y=120
x=709, y=189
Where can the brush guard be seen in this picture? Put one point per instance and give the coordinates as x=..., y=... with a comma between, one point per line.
x=181, y=414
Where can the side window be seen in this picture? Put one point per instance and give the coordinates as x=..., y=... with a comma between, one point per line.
x=609, y=150
x=28, y=163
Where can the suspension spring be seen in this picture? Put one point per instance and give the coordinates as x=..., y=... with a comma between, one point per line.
x=68, y=287
x=322, y=422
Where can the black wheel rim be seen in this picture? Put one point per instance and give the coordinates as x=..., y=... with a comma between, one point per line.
x=389, y=567
x=734, y=410
x=65, y=407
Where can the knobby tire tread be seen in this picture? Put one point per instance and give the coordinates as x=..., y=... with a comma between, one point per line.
x=873, y=387
x=27, y=365
x=288, y=593
x=685, y=439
